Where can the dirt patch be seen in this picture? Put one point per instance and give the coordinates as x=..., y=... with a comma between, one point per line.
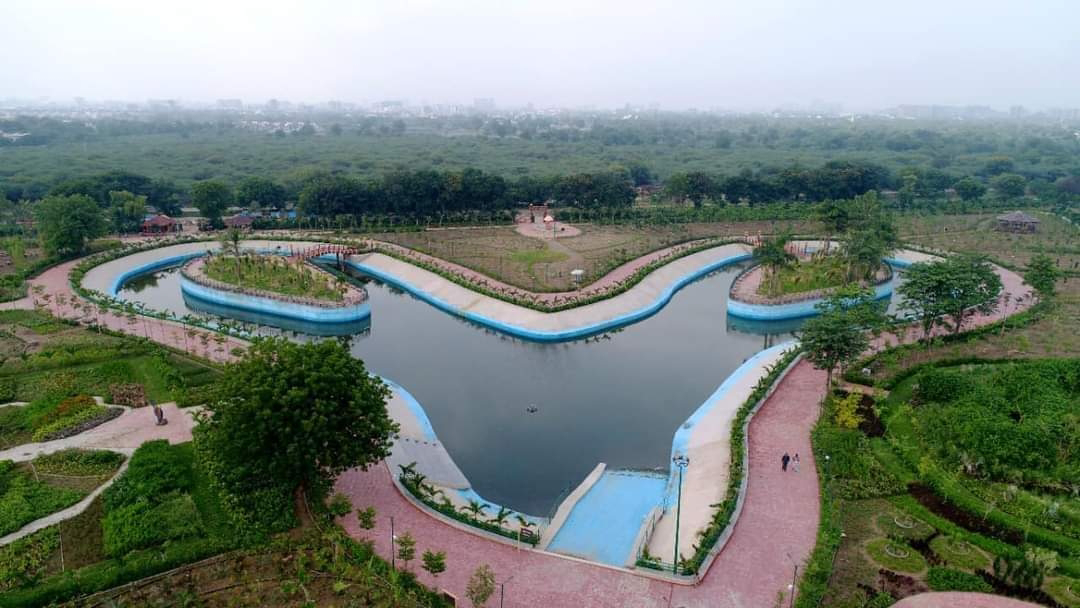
x=899, y=585
x=869, y=423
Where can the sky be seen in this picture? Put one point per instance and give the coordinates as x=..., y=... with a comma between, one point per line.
x=729, y=54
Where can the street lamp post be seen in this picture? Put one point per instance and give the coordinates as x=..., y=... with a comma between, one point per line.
x=502, y=590
x=794, y=577
x=393, y=561
x=681, y=462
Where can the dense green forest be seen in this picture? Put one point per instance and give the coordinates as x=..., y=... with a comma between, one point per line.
x=199, y=146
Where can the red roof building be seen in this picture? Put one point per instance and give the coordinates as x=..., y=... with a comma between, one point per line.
x=241, y=221
x=160, y=224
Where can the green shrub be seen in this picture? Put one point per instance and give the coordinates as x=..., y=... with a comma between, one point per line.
x=25, y=499
x=156, y=469
x=7, y=390
x=936, y=385
x=339, y=505
x=23, y=561
x=912, y=562
x=147, y=523
x=77, y=462
x=69, y=407
x=53, y=430
x=945, y=579
x=958, y=553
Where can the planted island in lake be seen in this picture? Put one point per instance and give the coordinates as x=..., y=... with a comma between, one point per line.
x=273, y=285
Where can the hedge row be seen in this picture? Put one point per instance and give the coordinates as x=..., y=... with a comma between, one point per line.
x=452, y=513
x=951, y=491
x=854, y=372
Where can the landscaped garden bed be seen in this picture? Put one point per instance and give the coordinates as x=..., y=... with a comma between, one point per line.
x=271, y=274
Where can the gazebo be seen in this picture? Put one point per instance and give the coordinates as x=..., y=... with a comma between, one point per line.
x=1017, y=221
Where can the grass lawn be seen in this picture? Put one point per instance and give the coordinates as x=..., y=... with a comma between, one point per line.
x=976, y=233
x=819, y=272
x=896, y=556
x=597, y=250
x=273, y=273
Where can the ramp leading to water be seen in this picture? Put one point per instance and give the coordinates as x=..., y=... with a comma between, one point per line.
x=604, y=524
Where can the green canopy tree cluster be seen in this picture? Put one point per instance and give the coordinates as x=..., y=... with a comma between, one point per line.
x=67, y=224
x=841, y=332
x=950, y=291
x=286, y=420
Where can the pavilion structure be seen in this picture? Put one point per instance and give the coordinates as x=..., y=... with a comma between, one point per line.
x=160, y=224
x=1017, y=221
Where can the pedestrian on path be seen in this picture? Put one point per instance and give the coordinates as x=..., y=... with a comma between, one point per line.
x=784, y=461
x=795, y=462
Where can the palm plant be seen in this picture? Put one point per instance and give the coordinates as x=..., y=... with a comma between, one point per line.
x=476, y=508
x=500, y=518
x=772, y=254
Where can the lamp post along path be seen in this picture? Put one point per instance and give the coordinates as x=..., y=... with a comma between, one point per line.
x=681, y=462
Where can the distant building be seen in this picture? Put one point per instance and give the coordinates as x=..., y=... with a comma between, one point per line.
x=240, y=221
x=160, y=224
x=1017, y=221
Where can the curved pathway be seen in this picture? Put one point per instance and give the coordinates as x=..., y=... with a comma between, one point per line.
x=776, y=530
x=956, y=599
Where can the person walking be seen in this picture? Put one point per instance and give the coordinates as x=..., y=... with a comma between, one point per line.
x=795, y=462
x=784, y=461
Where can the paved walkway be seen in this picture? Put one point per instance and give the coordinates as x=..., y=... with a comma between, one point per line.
x=955, y=599
x=62, y=301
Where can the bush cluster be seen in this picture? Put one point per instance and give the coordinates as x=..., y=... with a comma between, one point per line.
x=24, y=499
x=946, y=579
x=75, y=462
x=151, y=503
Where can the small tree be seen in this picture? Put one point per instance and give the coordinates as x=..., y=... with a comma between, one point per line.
x=974, y=288
x=773, y=256
x=211, y=198
x=1042, y=275
x=925, y=291
x=434, y=562
x=366, y=518
x=406, y=548
x=480, y=586
x=969, y=189
x=1010, y=185
x=66, y=224
x=840, y=333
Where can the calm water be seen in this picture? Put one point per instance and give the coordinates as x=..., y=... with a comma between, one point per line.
x=615, y=398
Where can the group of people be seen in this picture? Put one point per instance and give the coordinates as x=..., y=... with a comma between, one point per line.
x=786, y=460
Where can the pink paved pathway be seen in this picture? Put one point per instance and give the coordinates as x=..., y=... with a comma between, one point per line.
x=62, y=302
x=779, y=518
x=956, y=599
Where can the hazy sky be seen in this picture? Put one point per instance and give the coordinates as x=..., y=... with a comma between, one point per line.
x=744, y=54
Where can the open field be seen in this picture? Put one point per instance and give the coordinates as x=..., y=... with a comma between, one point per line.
x=975, y=233
x=545, y=265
